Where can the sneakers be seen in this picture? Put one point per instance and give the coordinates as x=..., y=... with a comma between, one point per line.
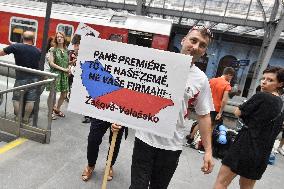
x=281, y=151
x=188, y=142
x=201, y=150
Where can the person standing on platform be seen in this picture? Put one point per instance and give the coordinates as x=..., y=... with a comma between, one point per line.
x=155, y=158
x=59, y=62
x=262, y=116
x=220, y=88
x=97, y=130
x=26, y=55
x=72, y=60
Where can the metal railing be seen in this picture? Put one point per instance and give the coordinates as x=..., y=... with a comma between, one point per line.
x=14, y=124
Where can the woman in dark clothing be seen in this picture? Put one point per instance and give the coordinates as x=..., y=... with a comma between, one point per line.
x=248, y=156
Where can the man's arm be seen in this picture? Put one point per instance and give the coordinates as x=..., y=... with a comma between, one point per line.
x=223, y=104
x=2, y=53
x=204, y=122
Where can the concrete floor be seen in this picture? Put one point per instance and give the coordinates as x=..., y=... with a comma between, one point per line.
x=59, y=165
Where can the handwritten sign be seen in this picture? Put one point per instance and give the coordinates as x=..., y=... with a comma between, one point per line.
x=136, y=87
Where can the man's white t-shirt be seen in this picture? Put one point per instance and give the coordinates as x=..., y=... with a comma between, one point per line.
x=198, y=94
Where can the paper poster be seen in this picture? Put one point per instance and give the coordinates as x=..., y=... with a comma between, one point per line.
x=137, y=87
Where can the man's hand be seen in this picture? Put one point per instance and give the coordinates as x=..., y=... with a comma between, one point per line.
x=67, y=70
x=208, y=163
x=73, y=61
x=115, y=127
x=218, y=116
x=2, y=53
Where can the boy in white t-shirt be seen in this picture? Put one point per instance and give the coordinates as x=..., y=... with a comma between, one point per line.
x=155, y=158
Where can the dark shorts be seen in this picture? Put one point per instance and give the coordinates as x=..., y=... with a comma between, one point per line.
x=213, y=114
x=30, y=94
x=214, y=122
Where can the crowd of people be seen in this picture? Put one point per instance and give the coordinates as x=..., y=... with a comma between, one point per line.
x=155, y=158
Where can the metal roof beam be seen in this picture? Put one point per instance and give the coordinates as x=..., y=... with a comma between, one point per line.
x=208, y=17
x=247, y=31
x=212, y=25
x=176, y=13
x=271, y=38
x=180, y=18
x=105, y=4
x=196, y=22
x=140, y=8
x=248, y=10
x=229, y=28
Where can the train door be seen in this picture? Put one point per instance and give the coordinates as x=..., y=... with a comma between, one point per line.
x=140, y=38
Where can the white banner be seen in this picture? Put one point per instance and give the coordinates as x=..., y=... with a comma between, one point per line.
x=85, y=30
x=137, y=87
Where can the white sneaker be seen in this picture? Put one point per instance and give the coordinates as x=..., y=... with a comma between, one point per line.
x=281, y=151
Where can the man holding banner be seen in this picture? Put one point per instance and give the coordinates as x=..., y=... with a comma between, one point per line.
x=155, y=158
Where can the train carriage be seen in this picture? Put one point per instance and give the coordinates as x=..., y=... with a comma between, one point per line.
x=16, y=16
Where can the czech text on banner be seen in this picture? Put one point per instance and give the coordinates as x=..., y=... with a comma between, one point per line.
x=137, y=87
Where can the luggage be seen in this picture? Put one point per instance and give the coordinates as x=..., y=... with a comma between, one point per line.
x=222, y=139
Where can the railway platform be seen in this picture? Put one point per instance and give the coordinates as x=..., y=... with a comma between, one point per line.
x=59, y=164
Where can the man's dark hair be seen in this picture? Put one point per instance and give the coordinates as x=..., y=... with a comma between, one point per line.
x=76, y=39
x=204, y=31
x=276, y=70
x=229, y=71
x=49, y=43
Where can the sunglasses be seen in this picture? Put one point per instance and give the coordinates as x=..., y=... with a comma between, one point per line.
x=204, y=29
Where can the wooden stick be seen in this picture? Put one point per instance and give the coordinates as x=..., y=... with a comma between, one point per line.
x=110, y=154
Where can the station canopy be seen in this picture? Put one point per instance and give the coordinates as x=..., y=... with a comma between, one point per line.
x=246, y=18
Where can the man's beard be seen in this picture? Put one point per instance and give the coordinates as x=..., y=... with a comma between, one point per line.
x=194, y=55
x=195, y=58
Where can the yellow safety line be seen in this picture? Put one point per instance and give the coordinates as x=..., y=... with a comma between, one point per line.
x=12, y=144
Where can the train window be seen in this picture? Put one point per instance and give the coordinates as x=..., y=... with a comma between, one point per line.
x=67, y=29
x=140, y=38
x=18, y=26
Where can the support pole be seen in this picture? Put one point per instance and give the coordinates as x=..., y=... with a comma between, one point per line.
x=140, y=8
x=110, y=154
x=271, y=37
x=42, y=57
x=265, y=57
x=45, y=33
